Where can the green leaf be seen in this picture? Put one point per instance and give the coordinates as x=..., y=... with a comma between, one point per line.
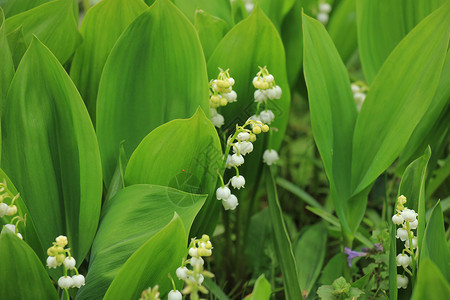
x=283, y=244
x=118, y=179
x=191, y=168
x=251, y=43
x=50, y=151
x=238, y=11
x=434, y=245
x=381, y=26
x=333, y=269
x=153, y=85
x=218, y=8
x=149, y=265
x=342, y=28
x=333, y=113
x=132, y=217
x=398, y=98
x=431, y=284
x=261, y=290
x=7, y=62
x=101, y=27
x=276, y=10
x=309, y=256
x=210, y=31
x=22, y=274
x=53, y=23
x=14, y=7
x=17, y=44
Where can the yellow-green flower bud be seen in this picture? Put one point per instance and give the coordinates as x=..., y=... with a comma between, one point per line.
x=256, y=130
x=223, y=102
x=223, y=84
x=205, y=238
x=61, y=240
x=52, y=251
x=215, y=99
x=60, y=258
x=204, y=252
x=252, y=138
x=265, y=128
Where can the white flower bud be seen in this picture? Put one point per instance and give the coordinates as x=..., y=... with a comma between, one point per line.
x=182, y=273
x=197, y=261
x=230, y=203
x=243, y=136
x=403, y=260
x=3, y=209
x=193, y=252
x=11, y=211
x=238, y=181
x=78, y=280
x=269, y=78
x=255, y=118
x=322, y=18
x=402, y=281
x=243, y=147
x=267, y=116
x=355, y=88
x=65, y=282
x=51, y=262
x=397, y=219
x=174, y=295
x=223, y=193
x=218, y=120
x=62, y=240
x=69, y=263
x=413, y=225
x=231, y=81
x=278, y=92
x=409, y=215
x=414, y=243
x=19, y=236
x=231, y=96
x=325, y=7
x=229, y=163
x=260, y=96
x=237, y=159
x=402, y=234
x=270, y=157
x=255, y=79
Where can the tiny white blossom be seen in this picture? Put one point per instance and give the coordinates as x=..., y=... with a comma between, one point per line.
x=174, y=295
x=260, y=96
x=197, y=261
x=230, y=203
x=402, y=234
x=231, y=81
x=402, y=281
x=355, y=88
x=3, y=209
x=409, y=215
x=278, y=92
x=193, y=252
x=182, y=273
x=270, y=157
x=218, y=120
x=78, y=280
x=65, y=282
x=51, y=262
x=403, y=260
x=397, y=219
x=322, y=18
x=243, y=147
x=269, y=78
x=238, y=181
x=229, y=164
x=325, y=7
x=414, y=243
x=11, y=228
x=231, y=96
x=413, y=225
x=243, y=136
x=19, y=236
x=237, y=159
x=223, y=193
x=11, y=211
x=69, y=263
x=267, y=116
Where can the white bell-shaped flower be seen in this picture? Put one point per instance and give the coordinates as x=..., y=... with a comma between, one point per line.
x=355, y=88
x=65, y=282
x=403, y=260
x=197, y=261
x=237, y=159
x=238, y=181
x=270, y=157
x=278, y=92
x=231, y=96
x=267, y=116
x=230, y=203
x=193, y=252
x=69, y=263
x=78, y=280
x=11, y=211
x=260, y=96
x=397, y=219
x=3, y=209
x=322, y=17
x=218, y=120
x=325, y=7
x=413, y=225
x=402, y=281
x=243, y=136
x=402, y=234
x=182, y=273
x=414, y=243
x=223, y=193
x=174, y=295
x=51, y=262
x=409, y=215
x=11, y=228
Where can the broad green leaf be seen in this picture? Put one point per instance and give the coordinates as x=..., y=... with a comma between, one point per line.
x=251, y=43
x=149, y=265
x=7, y=62
x=100, y=29
x=210, y=31
x=333, y=269
x=159, y=159
x=276, y=10
x=133, y=216
x=14, y=7
x=53, y=23
x=22, y=273
x=118, y=179
x=17, y=44
x=309, y=256
x=393, y=290
x=398, y=98
x=259, y=242
x=333, y=113
x=29, y=231
x=291, y=33
x=381, y=26
x=261, y=290
x=342, y=28
x=152, y=85
x=218, y=8
x=434, y=245
x=430, y=126
x=431, y=284
x=283, y=246
x=50, y=151
x=238, y=11
x=412, y=187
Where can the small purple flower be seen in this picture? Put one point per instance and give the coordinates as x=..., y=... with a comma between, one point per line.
x=352, y=254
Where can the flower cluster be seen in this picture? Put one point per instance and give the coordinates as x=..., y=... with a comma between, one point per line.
x=407, y=219
x=266, y=89
x=359, y=93
x=151, y=294
x=57, y=256
x=324, y=11
x=10, y=210
x=194, y=277
x=221, y=93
